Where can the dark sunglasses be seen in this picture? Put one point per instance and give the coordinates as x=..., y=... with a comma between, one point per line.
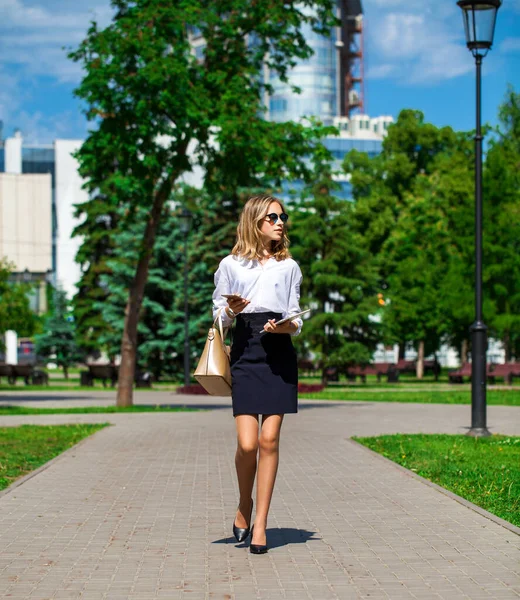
x=273, y=218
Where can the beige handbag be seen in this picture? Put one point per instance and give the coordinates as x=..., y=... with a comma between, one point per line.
x=214, y=371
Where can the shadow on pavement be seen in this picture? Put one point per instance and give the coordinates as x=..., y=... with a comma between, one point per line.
x=29, y=398
x=6, y=401
x=323, y=404
x=276, y=538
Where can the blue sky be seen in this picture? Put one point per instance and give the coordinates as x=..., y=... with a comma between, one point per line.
x=415, y=57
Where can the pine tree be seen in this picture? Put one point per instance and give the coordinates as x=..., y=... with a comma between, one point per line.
x=57, y=342
x=339, y=280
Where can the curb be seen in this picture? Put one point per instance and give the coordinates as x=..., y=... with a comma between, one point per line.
x=439, y=488
x=20, y=481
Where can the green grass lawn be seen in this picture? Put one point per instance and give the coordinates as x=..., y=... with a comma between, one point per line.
x=74, y=386
x=504, y=397
x=25, y=448
x=485, y=471
x=136, y=408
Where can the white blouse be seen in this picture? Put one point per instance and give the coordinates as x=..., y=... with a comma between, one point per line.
x=273, y=286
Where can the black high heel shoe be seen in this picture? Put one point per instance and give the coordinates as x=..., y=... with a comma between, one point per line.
x=240, y=533
x=257, y=548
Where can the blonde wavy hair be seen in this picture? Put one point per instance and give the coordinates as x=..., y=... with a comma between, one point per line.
x=249, y=238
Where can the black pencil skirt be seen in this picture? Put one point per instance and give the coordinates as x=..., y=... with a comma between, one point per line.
x=264, y=368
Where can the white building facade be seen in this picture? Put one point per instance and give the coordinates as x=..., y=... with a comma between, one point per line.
x=39, y=187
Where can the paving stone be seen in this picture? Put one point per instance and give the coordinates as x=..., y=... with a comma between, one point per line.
x=143, y=509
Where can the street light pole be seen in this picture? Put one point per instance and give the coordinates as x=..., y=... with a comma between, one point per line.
x=479, y=18
x=186, y=316
x=185, y=224
x=479, y=328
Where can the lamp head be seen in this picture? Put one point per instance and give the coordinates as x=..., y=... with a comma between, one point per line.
x=479, y=18
x=185, y=220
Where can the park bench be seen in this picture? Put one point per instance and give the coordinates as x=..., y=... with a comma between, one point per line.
x=143, y=379
x=505, y=371
x=406, y=366
x=360, y=371
x=103, y=372
x=306, y=367
x=7, y=371
x=30, y=374
x=388, y=369
x=457, y=376
x=110, y=372
x=377, y=369
x=410, y=366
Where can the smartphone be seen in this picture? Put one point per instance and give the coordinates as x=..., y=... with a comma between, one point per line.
x=232, y=296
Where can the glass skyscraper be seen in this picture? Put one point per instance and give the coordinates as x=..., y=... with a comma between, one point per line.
x=316, y=78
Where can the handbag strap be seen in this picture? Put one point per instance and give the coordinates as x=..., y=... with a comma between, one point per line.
x=219, y=319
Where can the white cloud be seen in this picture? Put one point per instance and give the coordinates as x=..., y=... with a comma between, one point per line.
x=37, y=128
x=10, y=92
x=413, y=43
x=36, y=37
x=381, y=71
x=510, y=44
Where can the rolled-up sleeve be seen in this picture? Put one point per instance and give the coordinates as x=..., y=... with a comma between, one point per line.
x=294, y=298
x=221, y=287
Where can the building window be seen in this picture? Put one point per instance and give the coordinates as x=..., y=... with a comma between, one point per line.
x=326, y=107
x=278, y=104
x=199, y=52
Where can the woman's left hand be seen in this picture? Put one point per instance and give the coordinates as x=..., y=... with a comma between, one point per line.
x=271, y=327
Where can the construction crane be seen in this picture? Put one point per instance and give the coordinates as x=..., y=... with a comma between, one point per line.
x=349, y=43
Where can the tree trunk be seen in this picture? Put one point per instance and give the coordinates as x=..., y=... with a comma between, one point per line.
x=507, y=346
x=66, y=371
x=464, y=351
x=402, y=349
x=324, y=350
x=135, y=299
x=419, y=369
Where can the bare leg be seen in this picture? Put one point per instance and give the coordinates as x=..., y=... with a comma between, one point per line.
x=245, y=462
x=267, y=469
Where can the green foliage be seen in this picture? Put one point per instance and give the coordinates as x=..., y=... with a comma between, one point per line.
x=151, y=98
x=502, y=227
x=15, y=312
x=99, y=223
x=494, y=397
x=427, y=258
x=57, y=342
x=485, y=471
x=412, y=212
x=339, y=278
x=161, y=325
x=27, y=447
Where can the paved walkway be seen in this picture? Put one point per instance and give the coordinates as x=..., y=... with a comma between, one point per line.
x=143, y=509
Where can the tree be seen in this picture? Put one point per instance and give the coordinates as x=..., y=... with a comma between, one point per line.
x=160, y=341
x=152, y=99
x=97, y=229
x=501, y=230
x=339, y=277
x=57, y=342
x=15, y=311
x=402, y=197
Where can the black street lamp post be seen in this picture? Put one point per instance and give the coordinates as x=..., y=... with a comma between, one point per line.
x=185, y=225
x=479, y=24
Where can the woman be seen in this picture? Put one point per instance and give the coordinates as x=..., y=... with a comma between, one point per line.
x=263, y=360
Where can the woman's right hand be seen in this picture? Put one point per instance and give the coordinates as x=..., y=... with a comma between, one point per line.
x=237, y=305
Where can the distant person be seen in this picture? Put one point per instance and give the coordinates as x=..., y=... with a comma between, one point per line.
x=264, y=367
